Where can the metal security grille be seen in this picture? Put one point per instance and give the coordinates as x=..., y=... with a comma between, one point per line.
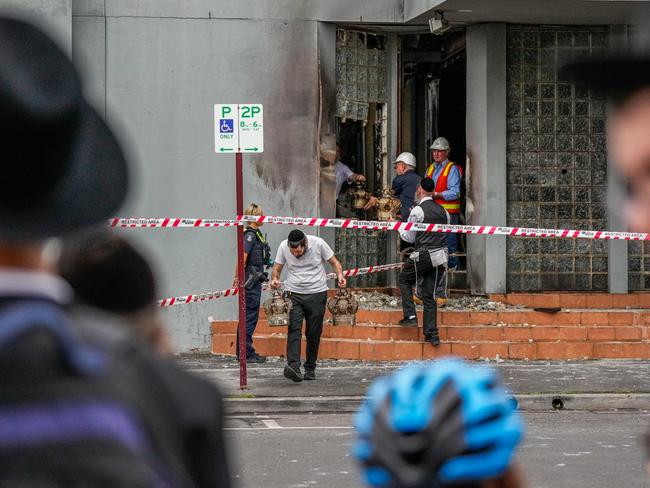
x=556, y=159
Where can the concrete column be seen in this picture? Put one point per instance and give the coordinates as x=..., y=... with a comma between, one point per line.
x=617, y=250
x=393, y=121
x=327, y=130
x=486, y=153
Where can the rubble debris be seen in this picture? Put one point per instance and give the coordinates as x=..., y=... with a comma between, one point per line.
x=381, y=301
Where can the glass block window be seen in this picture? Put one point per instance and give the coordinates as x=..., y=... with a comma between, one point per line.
x=361, y=73
x=556, y=159
x=359, y=248
x=638, y=265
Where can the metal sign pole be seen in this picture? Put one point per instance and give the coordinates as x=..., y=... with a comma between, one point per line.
x=239, y=128
x=241, y=275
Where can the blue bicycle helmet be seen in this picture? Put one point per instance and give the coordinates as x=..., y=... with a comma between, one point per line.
x=438, y=424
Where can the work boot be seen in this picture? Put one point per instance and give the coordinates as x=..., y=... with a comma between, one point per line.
x=409, y=322
x=293, y=373
x=255, y=358
x=309, y=375
x=441, y=302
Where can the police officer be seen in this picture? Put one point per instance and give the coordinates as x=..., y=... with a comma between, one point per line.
x=428, y=261
x=257, y=257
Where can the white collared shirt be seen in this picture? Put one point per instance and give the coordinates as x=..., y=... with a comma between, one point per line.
x=17, y=282
x=416, y=215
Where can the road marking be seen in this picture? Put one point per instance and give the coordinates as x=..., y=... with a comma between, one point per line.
x=271, y=424
x=253, y=417
x=317, y=427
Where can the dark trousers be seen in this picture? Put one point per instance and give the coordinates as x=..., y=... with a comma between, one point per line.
x=407, y=280
x=452, y=241
x=311, y=308
x=253, y=297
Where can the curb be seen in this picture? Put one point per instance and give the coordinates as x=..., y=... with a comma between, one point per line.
x=545, y=402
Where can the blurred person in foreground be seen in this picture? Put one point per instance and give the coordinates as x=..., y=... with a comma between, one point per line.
x=83, y=403
x=439, y=424
x=109, y=273
x=625, y=79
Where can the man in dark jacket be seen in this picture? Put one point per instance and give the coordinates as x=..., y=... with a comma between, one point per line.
x=87, y=403
x=428, y=261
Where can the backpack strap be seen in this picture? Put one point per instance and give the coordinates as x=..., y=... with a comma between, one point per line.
x=24, y=318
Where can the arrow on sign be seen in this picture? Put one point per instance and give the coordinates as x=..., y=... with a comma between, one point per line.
x=222, y=149
x=250, y=149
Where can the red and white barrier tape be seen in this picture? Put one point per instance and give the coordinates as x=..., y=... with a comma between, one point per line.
x=202, y=297
x=385, y=226
x=172, y=222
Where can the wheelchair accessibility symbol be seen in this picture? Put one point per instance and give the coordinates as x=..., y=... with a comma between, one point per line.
x=226, y=126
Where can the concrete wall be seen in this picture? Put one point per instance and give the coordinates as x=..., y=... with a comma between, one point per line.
x=486, y=152
x=163, y=76
x=156, y=71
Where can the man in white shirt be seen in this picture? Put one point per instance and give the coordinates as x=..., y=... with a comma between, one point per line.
x=304, y=257
x=343, y=173
x=428, y=261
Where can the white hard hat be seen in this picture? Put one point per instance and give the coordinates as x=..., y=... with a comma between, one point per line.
x=440, y=144
x=406, y=158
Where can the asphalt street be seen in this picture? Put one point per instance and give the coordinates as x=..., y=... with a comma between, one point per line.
x=561, y=449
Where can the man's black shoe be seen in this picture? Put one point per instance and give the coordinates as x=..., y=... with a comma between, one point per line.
x=255, y=358
x=293, y=373
x=433, y=339
x=409, y=322
x=310, y=374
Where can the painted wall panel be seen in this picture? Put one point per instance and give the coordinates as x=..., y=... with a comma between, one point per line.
x=163, y=77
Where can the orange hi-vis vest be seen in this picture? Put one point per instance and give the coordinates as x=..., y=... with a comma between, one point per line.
x=452, y=206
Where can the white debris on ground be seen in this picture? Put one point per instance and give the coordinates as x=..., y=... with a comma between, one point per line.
x=378, y=301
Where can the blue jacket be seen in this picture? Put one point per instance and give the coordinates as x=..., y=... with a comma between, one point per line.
x=404, y=187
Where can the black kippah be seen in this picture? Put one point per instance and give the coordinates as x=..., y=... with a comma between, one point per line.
x=427, y=185
x=107, y=272
x=295, y=236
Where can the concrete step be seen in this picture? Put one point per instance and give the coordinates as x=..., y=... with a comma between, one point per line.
x=510, y=334
x=636, y=300
x=382, y=350
x=383, y=324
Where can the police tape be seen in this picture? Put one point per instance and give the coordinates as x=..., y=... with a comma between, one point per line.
x=172, y=222
x=382, y=226
x=212, y=295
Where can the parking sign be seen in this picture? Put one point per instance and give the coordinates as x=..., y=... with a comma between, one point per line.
x=239, y=128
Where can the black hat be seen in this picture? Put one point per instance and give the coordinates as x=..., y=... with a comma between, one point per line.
x=296, y=238
x=617, y=74
x=427, y=185
x=62, y=168
x=616, y=77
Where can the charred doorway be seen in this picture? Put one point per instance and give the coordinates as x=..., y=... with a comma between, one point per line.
x=433, y=104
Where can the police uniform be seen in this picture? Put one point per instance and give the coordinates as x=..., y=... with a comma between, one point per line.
x=259, y=256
